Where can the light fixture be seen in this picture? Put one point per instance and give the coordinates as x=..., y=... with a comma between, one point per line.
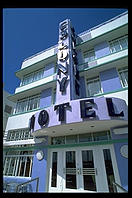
x=40, y=155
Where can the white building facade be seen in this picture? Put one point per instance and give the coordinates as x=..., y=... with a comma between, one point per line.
x=8, y=108
x=69, y=128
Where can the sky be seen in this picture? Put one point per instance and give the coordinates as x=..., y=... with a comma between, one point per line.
x=27, y=31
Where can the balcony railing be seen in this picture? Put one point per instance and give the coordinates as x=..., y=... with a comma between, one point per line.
x=115, y=186
x=25, y=187
x=103, y=60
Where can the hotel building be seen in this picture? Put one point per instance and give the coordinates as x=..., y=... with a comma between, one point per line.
x=69, y=128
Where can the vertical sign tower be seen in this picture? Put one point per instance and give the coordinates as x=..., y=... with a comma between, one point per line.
x=67, y=73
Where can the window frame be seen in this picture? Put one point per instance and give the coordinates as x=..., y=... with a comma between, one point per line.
x=92, y=80
x=119, y=43
x=27, y=101
x=41, y=75
x=8, y=109
x=88, y=52
x=18, y=159
x=119, y=74
x=81, y=138
x=19, y=134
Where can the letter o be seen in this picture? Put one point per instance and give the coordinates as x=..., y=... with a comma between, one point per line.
x=43, y=118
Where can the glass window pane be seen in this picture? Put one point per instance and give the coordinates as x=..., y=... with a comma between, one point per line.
x=48, y=70
x=71, y=139
x=30, y=104
x=89, y=56
x=88, y=166
x=20, y=134
x=85, y=137
x=119, y=44
x=123, y=43
x=112, y=49
x=100, y=136
x=38, y=75
x=93, y=87
x=24, y=106
x=116, y=46
x=71, y=170
x=54, y=170
x=58, y=140
x=109, y=169
x=124, y=77
x=36, y=103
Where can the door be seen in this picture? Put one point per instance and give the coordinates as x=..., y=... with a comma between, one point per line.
x=83, y=169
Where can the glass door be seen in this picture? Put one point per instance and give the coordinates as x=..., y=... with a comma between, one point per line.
x=70, y=171
x=86, y=169
x=79, y=171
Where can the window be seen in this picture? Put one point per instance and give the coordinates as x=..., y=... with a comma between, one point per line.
x=34, y=76
x=86, y=137
x=27, y=79
x=8, y=109
x=101, y=136
x=54, y=170
x=39, y=74
x=18, y=163
x=28, y=104
x=58, y=140
x=21, y=106
x=118, y=44
x=89, y=56
x=109, y=169
x=19, y=134
x=33, y=103
x=71, y=139
x=123, y=75
x=93, y=87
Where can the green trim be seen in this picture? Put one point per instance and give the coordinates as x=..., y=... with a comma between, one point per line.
x=79, y=45
x=89, y=143
x=111, y=92
x=104, y=56
x=29, y=111
x=33, y=87
x=37, y=80
x=105, y=63
x=16, y=114
x=19, y=71
x=35, y=147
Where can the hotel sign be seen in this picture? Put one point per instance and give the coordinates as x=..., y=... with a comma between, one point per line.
x=80, y=110
x=67, y=71
x=63, y=56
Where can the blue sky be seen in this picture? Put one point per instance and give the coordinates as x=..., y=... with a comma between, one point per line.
x=27, y=31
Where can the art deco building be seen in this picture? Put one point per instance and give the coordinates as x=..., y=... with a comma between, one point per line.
x=68, y=131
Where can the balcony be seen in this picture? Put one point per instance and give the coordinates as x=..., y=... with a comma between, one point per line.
x=36, y=83
x=106, y=61
x=33, y=88
x=40, y=56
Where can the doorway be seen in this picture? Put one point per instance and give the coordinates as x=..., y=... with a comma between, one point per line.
x=83, y=169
